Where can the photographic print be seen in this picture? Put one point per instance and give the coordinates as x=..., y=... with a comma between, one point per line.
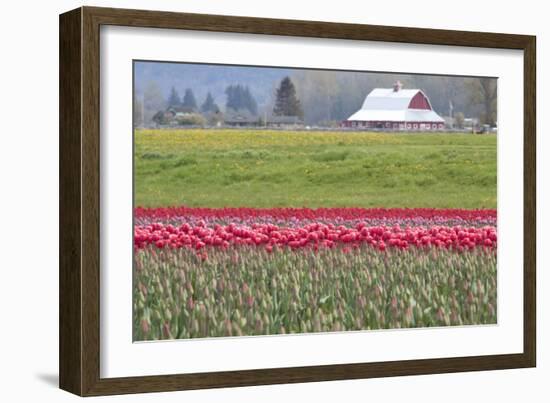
x=273, y=200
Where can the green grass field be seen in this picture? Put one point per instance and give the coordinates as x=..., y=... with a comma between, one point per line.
x=222, y=168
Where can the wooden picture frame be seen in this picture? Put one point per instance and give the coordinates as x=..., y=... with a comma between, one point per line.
x=79, y=347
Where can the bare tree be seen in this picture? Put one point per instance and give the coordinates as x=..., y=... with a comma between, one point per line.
x=153, y=100
x=483, y=91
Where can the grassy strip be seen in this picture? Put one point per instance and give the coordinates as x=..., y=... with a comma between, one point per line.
x=221, y=168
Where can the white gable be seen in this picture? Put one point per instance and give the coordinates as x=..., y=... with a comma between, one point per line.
x=385, y=104
x=387, y=98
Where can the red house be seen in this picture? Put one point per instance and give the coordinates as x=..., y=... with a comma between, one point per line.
x=396, y=109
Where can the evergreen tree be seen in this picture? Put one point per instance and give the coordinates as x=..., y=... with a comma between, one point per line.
x=209, y=105
x=240, y=98
x=232, y=92
x=287, y=103
x=249, y=102
x=189, y=100
x=174, y=98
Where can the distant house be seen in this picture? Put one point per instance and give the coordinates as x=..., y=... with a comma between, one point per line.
x=173, y=111
x=179, y=116
x=170, y=115
x=471, y=123
x=284, y=121
x=241, y=118
x=396, y=109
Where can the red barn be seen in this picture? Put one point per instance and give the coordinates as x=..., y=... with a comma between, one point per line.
x=396, y=109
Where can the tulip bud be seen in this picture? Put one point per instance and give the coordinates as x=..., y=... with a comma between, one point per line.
x=237, y=330
x=145, y=326
x=167, y=334
x=491, y=310
x=316, y=324
x=228, y=328
x=195, y=327
x=259, y=327
x=189, y=287
x=440, y=314
x=250, y=301
x=190, y=304
x=409, y=317
x=142, y=289
x=245, y=288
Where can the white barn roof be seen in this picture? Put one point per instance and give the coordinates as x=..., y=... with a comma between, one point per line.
x=386, y=104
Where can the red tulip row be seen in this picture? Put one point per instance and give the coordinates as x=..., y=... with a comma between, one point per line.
x=308, y=214
x=314, y=236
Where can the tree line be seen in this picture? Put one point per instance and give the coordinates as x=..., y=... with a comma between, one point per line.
x=327, y=97
x=239, y=100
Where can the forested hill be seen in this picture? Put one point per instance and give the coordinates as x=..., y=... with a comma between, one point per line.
x=202, y=79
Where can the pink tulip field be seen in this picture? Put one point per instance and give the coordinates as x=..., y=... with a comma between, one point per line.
x=209, y=272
